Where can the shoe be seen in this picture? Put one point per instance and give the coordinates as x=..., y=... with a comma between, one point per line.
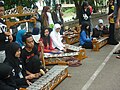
x=116, y=52
x=118, y=57
x=113, y=43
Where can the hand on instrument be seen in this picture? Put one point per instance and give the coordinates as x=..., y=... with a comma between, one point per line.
x=37, y=75
x=64, y=50
x=31, y=76
x=55, y=51
x=28, y=82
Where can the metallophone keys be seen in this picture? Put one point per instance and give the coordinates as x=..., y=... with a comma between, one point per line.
x=47, y=81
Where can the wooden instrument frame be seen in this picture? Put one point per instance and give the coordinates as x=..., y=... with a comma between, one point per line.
x=98, y=44
x=60, y=79
x=55, y=61
x=58, y=60
x=53, y=82
x=20, y=11
x=71, y=39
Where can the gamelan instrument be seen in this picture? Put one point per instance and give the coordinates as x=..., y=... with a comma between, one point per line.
x=71, y=39
x=97, y=44
x=77, y=52
x=81, y=51
x=51, y=79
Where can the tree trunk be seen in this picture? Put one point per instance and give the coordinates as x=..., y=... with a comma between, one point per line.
x=78, y=8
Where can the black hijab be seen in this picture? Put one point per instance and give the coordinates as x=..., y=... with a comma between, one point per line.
x=5, y=70
x=10, y=51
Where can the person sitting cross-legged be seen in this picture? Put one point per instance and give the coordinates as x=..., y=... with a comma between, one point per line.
x=57, y=38
x=30, y=55
x=85, y=38
x=100, y=29
x=47, y=41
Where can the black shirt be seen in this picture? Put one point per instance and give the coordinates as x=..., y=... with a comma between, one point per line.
x=3, y=39
x=25, y=55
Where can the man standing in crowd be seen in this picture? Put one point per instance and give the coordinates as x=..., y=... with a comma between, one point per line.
x=5, y=37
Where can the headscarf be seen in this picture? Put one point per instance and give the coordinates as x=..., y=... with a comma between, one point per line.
x=19, y=36
x=10, y=51
x=56, y=37
x=55, y=27
x=5, y=70
x=57, y=34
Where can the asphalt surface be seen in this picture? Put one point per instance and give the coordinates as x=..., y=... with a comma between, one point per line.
x=100, y=71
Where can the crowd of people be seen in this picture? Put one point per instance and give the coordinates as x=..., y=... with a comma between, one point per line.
x=20, y=60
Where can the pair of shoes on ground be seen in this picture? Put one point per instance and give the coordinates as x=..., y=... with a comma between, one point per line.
x=113, y=43
x=116, y=52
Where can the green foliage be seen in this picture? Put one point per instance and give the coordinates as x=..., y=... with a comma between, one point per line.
x=68, y=10
x=12, y=3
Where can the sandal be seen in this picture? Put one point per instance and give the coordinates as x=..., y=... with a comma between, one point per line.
x=118, y=57
x=116, y=52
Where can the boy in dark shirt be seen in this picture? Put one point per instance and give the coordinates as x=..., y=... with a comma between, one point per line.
x=30, y=55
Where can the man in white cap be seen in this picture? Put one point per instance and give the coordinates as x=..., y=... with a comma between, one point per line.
x=100, y=29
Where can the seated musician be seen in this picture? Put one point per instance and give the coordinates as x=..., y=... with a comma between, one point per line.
x=6, y=80
x=85, y=38
x=30, y=55
x=47, y=41
x=57, y=38
x=12, y=59
x=100, y=29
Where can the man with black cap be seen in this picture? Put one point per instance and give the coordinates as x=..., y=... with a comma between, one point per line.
x=5, y=36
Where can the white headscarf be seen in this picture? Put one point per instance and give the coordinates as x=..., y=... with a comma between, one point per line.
x=55, y=27
x=56, y=37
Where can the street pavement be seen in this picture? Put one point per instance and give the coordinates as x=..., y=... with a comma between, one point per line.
x=100, y=71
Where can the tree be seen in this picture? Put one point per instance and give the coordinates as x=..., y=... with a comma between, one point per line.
x=78, y=4
x=50, y=3
x=13, y=3
x=78, y=7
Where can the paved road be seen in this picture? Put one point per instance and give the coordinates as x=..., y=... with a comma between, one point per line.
x=100, y=71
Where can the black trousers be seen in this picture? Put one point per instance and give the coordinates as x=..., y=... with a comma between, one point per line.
x=88, y=45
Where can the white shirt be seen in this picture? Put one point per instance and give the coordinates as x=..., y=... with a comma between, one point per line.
x=50, y=21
